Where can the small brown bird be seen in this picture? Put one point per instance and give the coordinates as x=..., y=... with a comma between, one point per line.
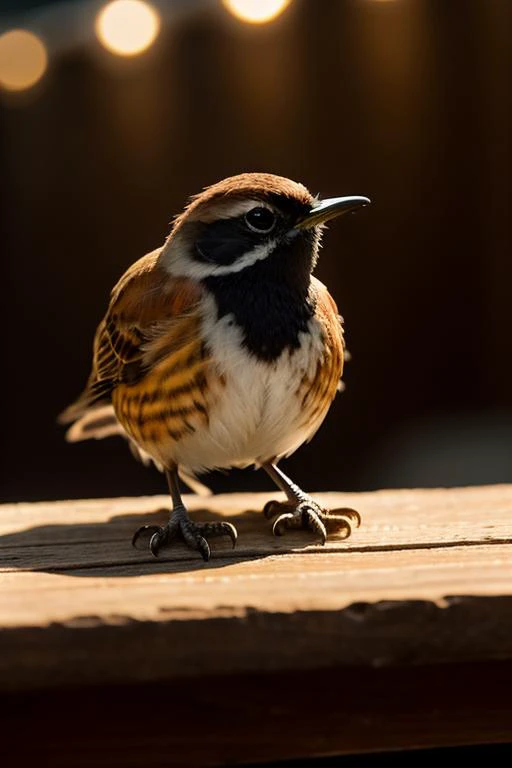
x=220, y=349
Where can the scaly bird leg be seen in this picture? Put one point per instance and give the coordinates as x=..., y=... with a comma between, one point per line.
x=301, y=511
x=195, y=535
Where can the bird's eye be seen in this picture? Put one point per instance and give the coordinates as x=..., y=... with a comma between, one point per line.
x=260, y=220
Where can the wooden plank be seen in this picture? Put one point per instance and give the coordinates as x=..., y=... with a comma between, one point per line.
x=98, y=532
x=79, y=605
x=398, y=637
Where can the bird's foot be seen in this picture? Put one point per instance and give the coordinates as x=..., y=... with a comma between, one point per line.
x=308, y=514
x=195, y=535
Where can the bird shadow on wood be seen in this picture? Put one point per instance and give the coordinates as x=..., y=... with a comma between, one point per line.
x=105, y=548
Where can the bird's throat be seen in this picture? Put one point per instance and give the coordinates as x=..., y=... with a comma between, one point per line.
x=270, y=301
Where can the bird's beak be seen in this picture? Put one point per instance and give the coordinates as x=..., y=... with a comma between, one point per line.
x=323, y=210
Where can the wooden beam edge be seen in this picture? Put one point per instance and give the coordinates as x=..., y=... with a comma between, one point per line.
x=86, y=650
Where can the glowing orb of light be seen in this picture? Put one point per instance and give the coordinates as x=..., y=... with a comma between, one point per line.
x=127, y=27
x=256, y=11
x=23, y=59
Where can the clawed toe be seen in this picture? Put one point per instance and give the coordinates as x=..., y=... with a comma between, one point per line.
x=159, y=539
x=273, y=508
x=309, y=515
x=153, y=536
x=212, y=530
x=343, y=514
x=195, y=535
x=303, y=516
x=144, y=535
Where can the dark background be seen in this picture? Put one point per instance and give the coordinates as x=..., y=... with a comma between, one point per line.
x=406, y=101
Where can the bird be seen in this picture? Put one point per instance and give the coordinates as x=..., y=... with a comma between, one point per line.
x=221, y=349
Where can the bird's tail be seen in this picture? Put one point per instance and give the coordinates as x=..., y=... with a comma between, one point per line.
x=99, y=421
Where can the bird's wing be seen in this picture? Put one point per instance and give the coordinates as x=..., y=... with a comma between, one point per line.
x=320, y=389
x=149, y=312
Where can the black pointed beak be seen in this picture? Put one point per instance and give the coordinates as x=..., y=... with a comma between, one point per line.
x=323, y=210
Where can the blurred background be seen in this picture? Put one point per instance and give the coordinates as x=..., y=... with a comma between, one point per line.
x=113, y=114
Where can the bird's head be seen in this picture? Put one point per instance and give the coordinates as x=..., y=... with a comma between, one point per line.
x=248, y=219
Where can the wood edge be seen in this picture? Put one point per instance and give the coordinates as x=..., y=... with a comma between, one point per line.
x=88, y=651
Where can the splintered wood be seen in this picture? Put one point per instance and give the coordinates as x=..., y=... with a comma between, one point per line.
x=427, y=578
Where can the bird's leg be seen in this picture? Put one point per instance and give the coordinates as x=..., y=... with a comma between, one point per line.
x=195, y=535
x=301, y=511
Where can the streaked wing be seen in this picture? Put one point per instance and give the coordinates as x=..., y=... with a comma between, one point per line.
x=320, y=390
x=148, y=313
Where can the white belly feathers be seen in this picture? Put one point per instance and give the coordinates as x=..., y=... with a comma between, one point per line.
x=258, y=413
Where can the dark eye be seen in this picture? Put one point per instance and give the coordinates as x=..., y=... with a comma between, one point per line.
x=260, y=220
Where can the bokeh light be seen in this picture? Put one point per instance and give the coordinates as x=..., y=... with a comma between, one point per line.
x=127, y=27
x=23, y=59
x=256, y=11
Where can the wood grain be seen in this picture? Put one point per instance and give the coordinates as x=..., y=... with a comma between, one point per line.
x=424, y=584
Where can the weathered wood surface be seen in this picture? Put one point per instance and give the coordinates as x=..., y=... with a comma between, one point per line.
x=414, y=606
x=422, y=564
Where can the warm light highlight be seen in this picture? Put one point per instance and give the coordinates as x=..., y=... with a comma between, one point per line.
x=256, y=11
x=127, y=27
x=23, y=59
